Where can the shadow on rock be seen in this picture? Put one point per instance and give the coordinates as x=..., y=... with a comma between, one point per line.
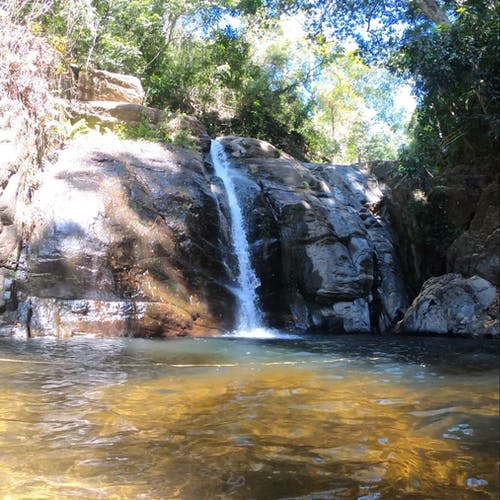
x=123, y=240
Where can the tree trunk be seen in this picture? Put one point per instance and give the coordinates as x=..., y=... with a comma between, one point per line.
x=432, y=10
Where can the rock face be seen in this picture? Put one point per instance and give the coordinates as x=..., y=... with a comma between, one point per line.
x=133, y=238
x=121, y=238
x=446, y=224
x=477, y=250
x=323, y=251
x=99, y=85
x=454, y=304
x=19, y=157
x=106, y=99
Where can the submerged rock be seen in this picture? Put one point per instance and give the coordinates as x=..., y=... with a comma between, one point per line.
x=334, y=266
x=122, y=238
x=456, y=305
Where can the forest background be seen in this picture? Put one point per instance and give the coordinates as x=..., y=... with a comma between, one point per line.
x=317, y=78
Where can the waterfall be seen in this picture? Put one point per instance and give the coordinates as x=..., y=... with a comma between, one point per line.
x=248, y=314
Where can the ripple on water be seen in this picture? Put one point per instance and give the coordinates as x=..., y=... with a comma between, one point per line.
x=246, y=418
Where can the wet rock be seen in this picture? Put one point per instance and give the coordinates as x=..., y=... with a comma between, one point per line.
x=65, y=318
x=247, y=147
x=345, y=317
x=454, y=304
x=337, y=269
x=123, y=240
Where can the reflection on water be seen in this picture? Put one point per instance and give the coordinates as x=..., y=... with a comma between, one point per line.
x=347, y=417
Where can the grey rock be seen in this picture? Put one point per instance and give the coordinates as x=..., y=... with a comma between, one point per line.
x=454, y=304
x=477, y=250
x=247, y=147
x=338, y=269
x=20, y=152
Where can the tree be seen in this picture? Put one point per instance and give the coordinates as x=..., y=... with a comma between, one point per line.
x=357, y=112
x=253, y=77
x=449, y=49
x=457, y=82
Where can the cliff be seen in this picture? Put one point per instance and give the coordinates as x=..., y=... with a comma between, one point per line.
x=130, y=237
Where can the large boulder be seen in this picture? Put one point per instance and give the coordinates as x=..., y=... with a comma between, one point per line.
x=322, y=249
x=122, y=238
x=453, y=304
x=108, y=100
x=110, y=113
x=99, y=85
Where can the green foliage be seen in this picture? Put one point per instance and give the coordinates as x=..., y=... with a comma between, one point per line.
x=435, y=230
x=170, y=130
x=183, y=138
x=455, y=67
x=356, y=110
x=252, y=80
x=262, y=76
x=66, y=129
x=142, y=130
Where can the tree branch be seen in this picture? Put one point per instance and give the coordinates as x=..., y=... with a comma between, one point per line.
x=432, y=10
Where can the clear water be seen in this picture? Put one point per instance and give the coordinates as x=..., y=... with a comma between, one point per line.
x=225, y=418
x=248, y=314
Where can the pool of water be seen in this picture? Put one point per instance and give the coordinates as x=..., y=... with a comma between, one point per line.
x=318, y=418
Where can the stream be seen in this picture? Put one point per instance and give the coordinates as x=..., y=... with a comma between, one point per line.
x=362, y=417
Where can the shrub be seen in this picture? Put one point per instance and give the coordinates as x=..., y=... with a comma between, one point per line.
x=28, y=77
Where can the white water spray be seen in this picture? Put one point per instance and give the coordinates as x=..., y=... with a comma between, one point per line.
x=249, y=322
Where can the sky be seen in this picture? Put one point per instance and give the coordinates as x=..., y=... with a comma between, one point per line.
x=405, y=100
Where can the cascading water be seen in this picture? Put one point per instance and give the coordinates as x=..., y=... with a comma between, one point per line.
x=248, y=314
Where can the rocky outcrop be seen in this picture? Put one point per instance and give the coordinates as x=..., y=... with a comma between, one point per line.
x=323, y=251
x=452, y=304
x=19, y=159
x=114, y=101
x=28, y=114
x=132, y=238
x=98, y=85
x=121, y=238
x=115, y=237
x=108, y=99
x=477, y=250
x=110, y=113
x=445, y=223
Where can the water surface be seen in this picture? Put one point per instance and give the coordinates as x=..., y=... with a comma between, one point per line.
x=318, y=418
